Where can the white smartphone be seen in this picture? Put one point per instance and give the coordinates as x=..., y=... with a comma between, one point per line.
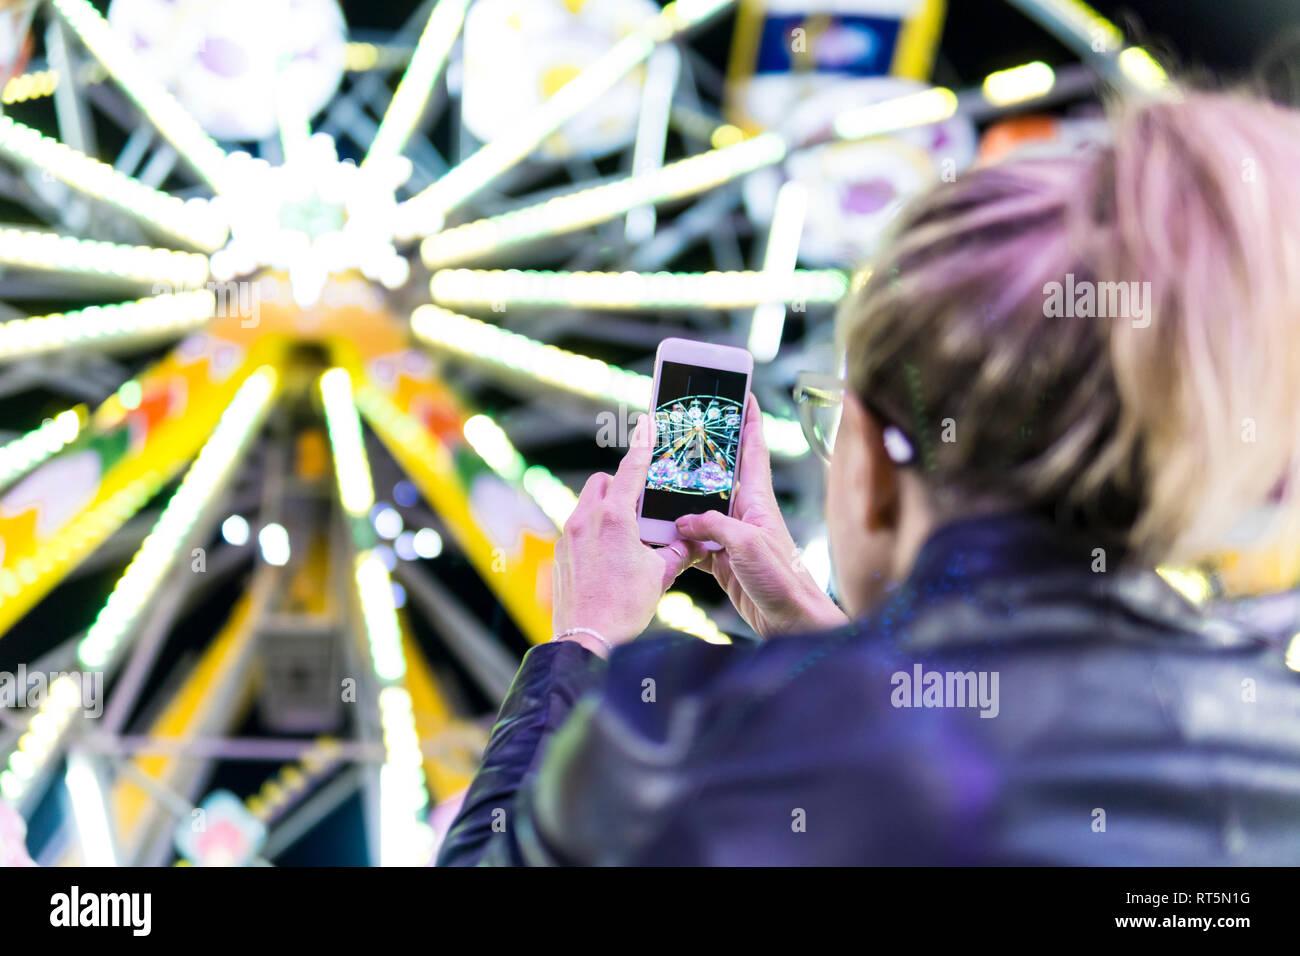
x=698, y=404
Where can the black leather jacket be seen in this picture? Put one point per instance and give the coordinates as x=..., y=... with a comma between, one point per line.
x=1129, y=729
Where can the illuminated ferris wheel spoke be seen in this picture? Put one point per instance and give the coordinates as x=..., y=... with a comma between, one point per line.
x=780, y=257
x=512, y=355
x=157, y=317
x=512, y=288
x=293, y=123
x=526, y=361
x=188, y=224
x=404, y=790
x=413, y=91
x=30, y=86
x=431, y=465
x=424, y=213
x=68, y=255
x=599, y=204
x=27, y=451
x=203, y=482
x=172, y=120
x=359, y=58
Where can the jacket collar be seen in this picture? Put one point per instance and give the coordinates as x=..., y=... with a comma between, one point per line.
x=1005, y=544
x=1013, y=575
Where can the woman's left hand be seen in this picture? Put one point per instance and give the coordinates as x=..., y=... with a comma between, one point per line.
x=605, y=578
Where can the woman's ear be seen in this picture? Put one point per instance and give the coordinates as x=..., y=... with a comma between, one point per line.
x=876, y=473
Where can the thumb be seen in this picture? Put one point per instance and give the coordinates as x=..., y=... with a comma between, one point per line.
x=629, y=480
x=754, y=478
x=715, y=526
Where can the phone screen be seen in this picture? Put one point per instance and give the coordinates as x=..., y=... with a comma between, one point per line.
x=697, y=441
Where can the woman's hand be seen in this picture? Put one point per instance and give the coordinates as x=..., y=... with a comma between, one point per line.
x=605, y=578
x=759, y=566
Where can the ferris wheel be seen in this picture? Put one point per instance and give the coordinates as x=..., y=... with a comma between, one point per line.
x=261, y=249
x=698, y=437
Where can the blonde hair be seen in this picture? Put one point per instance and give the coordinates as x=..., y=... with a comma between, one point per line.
x=1155, y=432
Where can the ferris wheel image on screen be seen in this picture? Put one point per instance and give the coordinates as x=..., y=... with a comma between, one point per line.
x=696, y=438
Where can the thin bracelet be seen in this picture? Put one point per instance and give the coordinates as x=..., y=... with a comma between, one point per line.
x=585, y=630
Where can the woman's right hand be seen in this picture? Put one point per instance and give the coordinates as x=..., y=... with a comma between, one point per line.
x=759, y=566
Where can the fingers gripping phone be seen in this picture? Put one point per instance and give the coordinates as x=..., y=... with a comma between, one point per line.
x=698, y=404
